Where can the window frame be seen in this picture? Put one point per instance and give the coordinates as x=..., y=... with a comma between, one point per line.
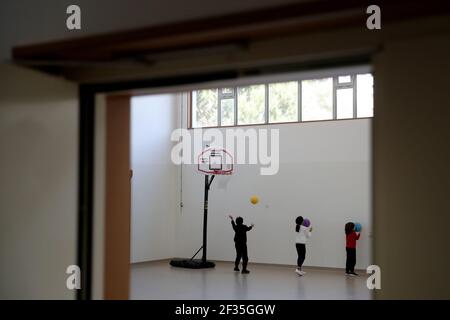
x=225, y=96
x=234, y=95
x=345, y=85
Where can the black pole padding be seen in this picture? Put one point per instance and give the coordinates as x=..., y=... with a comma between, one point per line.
x=205, y=218
x=205, y=215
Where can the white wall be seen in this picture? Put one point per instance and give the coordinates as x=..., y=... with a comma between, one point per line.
x=38, y=186
x=324, y=175
x=155, y=183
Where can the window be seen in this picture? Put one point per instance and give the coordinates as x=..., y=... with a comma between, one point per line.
x=227, y=112
x=283, y=102
x=344, y=79
x=344, y=103
x=204, y=108
x=227, y=91
x=227, y=100
x=345, y=96
x=364, y=100
x=251, y=104
x=317, y=99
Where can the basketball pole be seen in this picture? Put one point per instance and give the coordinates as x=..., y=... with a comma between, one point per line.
x=210, y=169
x=205, y=215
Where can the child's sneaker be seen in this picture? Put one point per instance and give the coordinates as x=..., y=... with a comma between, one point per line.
x=302, y=273
x=299, y=272
x=245, y=272
x=354, y=274
x=236, y=269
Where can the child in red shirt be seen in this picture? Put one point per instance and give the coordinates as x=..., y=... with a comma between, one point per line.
x=350, y=247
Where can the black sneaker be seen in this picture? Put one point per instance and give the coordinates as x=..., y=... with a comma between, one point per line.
x=354, y=273
x=245, y=272
x=236, y=269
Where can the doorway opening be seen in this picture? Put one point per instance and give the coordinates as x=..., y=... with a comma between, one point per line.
x=324, y=174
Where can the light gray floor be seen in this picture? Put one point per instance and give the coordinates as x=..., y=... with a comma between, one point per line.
x=158, y=280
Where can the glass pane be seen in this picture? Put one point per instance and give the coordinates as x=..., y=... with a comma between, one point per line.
x=283, y=102
x=344, y=79
x=344, y=103
x=317, y=99
x=251, y=104
x=364, y=95
x=204, y=108
x=227, y=91
x=227, y=112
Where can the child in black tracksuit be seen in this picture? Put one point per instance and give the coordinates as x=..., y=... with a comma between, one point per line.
x=240, y=240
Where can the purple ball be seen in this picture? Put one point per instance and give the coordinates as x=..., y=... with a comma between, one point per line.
x=306, y=223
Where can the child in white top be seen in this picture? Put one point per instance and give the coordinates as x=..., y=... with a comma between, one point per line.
x=302, y=234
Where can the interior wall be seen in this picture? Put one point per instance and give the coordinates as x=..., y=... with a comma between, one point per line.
x=155, y=182
x=411, y=175
x=324, y=174
x=39, y=178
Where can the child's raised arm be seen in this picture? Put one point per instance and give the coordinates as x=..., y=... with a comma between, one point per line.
x=233, y=224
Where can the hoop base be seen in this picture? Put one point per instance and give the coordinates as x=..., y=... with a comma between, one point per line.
x=191, y=264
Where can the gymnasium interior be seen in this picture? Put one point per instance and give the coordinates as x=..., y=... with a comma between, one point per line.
x=103, y=131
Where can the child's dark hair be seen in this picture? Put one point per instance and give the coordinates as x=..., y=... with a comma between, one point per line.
x=298, y=222
x=239, y=220
x=349, y=227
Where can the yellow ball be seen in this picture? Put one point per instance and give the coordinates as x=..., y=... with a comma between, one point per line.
x=254, y=199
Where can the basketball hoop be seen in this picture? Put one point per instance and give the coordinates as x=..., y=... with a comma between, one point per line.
x=215, y=161
x=211, y=162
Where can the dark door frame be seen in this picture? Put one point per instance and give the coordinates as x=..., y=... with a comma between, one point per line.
x=87, y=94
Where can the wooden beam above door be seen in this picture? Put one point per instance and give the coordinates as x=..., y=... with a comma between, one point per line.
x=236, y=29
